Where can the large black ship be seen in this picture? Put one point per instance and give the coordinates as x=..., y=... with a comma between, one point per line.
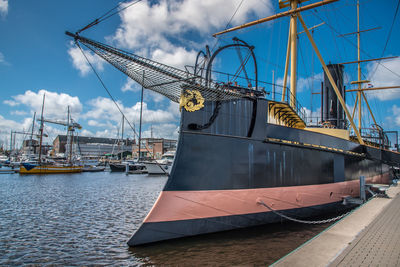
x=244, y=157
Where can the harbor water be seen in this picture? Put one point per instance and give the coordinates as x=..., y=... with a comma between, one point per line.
x=87, y=218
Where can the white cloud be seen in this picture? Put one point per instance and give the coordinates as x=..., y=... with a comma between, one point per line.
x=2, y=59
x=85, y=132
x=130, y=85
x=157, y=30
x=384, y=74
x=80, y=63
x=19, y=112
x=55, y=103
x=11, y=103
x=303, y=84
x=396, y=114
x=165, y=130
x=3, y=7
x=105, y=109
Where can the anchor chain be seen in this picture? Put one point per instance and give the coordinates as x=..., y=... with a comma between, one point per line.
x=304, y=221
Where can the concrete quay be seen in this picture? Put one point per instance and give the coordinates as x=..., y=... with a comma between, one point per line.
x=369, y=236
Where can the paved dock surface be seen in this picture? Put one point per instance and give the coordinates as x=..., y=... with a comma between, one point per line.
x=370, y=236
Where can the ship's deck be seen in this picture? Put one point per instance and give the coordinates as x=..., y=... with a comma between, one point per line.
x=369, y=236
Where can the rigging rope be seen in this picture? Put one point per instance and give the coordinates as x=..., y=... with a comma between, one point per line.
x=104, y=86
x=104, y=17
x=350, y=42
x=387, y=40
x=116, y=104
x=227, y=25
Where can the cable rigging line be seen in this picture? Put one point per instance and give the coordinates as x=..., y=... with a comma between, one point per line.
x=107, y=15
x=227, y=25
x=388, y=37
x=104, y=86
x=350, y=42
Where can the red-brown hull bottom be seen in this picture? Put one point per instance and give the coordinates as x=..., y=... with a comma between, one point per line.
x=187, y=213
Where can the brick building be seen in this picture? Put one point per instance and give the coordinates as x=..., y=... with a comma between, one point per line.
x=153, y=148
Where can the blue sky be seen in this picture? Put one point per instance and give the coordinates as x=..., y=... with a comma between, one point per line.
x=36, y=57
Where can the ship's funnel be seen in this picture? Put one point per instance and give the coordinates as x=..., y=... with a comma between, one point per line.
x=332, y=111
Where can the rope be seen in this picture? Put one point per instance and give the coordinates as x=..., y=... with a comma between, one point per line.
x=354, y=45
x=304, y=221
x=112, y=98
x=104, y=17
x=227, y=25
x=388, y=38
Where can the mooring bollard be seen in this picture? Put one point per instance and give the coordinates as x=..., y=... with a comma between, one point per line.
x=127, y=168
x=362, y=189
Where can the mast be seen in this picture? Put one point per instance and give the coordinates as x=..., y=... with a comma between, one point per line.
x=69, y=136
x=33, y=127
x=122, y=136
x=293, y=35
x=41, y=131
x=293, y=54
x=359, y=66
x=140, y=121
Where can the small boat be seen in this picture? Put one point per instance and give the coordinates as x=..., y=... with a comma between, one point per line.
x=121, y=167
x=28, y=168
x=7, y=171
x=162, y=166
x=93, y=168
x=45, y=166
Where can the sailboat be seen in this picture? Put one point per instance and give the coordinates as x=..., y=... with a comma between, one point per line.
x=244, y=159
x=44, y=167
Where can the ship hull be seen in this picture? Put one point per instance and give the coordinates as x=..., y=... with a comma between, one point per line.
x=49, y=169
x=222, y=173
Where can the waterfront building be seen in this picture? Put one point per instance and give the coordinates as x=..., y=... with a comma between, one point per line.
x=153, y=148
x=93, y=146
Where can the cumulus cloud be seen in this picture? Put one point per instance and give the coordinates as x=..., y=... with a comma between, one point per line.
x=55, y=104
x=80, y=63
x=165, y=130
x=303, y=84
x=384, y=74
x=105, y=110
x=3, y=7
x=396, y=114
x=130, y=85
x=11, y=103
x=19, y=112
x=2, y=59
x=158, y=30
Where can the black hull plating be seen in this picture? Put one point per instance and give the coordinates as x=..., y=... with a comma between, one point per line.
x=224, y=156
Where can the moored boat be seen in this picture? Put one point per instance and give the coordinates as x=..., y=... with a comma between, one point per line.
x=29, y=168
x=93, y=168
x=162, y=166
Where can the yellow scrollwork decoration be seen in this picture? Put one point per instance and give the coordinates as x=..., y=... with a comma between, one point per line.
x=191, y=100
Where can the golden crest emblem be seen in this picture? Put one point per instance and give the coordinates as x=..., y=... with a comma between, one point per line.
x=191, y=100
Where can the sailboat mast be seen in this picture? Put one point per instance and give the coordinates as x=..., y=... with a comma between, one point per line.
x=41, y=131
x=293, y=54
x=140, y=121
x=33, y=128
x=70, y=136
x=359, y=66
x=122, y=136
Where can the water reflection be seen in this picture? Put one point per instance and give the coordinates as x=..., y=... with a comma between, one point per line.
x=86, y=219
x=258, y=246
